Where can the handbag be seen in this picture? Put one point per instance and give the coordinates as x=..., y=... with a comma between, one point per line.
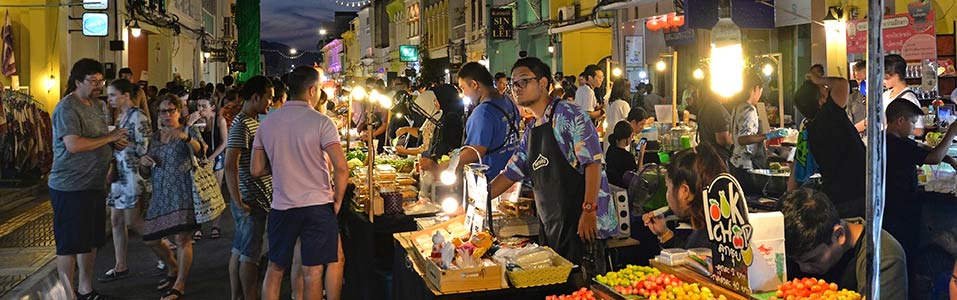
x=208, y=201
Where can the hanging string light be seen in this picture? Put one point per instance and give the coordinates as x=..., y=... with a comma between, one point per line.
x=352, y=3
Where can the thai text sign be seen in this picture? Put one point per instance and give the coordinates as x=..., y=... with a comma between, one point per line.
x=911, y=35
x=726, y=215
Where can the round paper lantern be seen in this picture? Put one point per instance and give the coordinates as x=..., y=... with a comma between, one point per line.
x=653, y=24
x=679, y=21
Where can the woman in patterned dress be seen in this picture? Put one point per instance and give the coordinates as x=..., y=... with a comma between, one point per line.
x=171, y=210
x=128, y=187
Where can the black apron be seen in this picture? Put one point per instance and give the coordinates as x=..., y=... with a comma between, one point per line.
x=559, y=191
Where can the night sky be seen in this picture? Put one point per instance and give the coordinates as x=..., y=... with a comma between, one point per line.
x=296, y=22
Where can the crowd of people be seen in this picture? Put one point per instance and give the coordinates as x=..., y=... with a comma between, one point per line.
x=135, y=152
x=570, y=142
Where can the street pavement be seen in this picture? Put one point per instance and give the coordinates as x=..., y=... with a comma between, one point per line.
x=208, y=277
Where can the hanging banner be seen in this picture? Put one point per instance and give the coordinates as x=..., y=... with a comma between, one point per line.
x=912, y=35
x=730, y=232
x=501, y=24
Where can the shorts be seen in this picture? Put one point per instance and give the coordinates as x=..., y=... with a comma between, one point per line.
x=315, y=226
x=79, y=220
x=250, y=228
x=220, y=162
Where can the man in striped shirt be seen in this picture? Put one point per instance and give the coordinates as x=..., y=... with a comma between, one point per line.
x=251, y=196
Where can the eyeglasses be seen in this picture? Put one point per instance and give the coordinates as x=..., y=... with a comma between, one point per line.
x=167, y=111
x=96, y=82
x=520, y=83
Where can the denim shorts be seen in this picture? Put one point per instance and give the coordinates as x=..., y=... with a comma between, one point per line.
x=316, y=228
x=248, y=240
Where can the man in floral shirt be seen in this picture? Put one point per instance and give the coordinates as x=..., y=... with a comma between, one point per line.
x=561, y=155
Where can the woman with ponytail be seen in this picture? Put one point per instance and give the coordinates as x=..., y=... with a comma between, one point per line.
x=689, y=173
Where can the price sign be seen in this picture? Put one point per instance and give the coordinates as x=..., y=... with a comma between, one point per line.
x=726, y=215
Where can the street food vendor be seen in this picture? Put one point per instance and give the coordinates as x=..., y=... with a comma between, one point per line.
x=561, y=154
x=838, y=148
x=823, y=244
x=492, y=129
x=689, y=172
x=904, y=155
x=808, y=100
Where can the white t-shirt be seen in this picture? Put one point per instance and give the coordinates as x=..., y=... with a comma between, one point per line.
x=617, y=112
x=912, y=97
x=585, y=98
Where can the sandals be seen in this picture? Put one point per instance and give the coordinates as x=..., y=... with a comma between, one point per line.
x=93, y=296
x=214, y=233
x=113, y=275
x=171, y=293
x=198, y=235
x=166, y=283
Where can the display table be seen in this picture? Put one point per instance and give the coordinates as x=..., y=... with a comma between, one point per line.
x=409, y=281
x=684, y=273
x=368, y=252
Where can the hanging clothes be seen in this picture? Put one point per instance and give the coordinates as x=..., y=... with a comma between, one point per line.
x=26, y=149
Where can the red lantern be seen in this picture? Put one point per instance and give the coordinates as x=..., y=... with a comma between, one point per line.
x=680, y=21
x=653, y=24
x=671, y=20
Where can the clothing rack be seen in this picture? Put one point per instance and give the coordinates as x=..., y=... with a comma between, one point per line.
x=26, y=149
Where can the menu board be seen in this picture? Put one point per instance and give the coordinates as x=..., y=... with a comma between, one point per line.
x=726, y=215
x=912, y=35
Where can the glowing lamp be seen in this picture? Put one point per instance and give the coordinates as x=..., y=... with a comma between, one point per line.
x=727, y=58
x=358, y=93
x=50, y=83
x=698, y=74
x=768, y=69
x=449, y=205
x=661, y=65
x=135, y=29
x=616, y=72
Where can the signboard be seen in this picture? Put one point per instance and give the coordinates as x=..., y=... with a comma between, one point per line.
x=912, y=35
x=501, y=24
x=96, y=24
x=408, y=53
x=634, y=51
x=791, y=12
x=684, y=36
x=726, y=218
x=96, y=4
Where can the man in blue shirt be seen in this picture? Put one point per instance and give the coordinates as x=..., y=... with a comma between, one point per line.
x=492, y=128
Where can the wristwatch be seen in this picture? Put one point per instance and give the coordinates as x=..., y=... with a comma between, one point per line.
x=589, y=207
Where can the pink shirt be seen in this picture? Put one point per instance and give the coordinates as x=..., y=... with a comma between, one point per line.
x=294, y=138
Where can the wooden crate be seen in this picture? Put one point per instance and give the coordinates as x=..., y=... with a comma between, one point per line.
x=460, y=280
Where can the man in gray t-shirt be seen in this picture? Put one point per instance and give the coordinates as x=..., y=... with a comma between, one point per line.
x=82, y=147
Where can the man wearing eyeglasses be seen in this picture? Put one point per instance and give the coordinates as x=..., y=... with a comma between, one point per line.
x=562, y=156
x=82, y=149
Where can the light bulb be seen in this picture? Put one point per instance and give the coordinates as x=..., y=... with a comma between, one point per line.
x=206, y=54
x=51, y=82
x=616, y=72
x=398, y=115
x=698, y=74
x=768, y=69
x=293, y=51
x=551, y=49
x=660, y=65
x=447, y=177
x=450, y=205
x=358, y=93
x=136, y=31
x=642, y=74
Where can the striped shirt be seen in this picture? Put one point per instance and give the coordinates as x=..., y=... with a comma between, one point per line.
x=256, y=192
